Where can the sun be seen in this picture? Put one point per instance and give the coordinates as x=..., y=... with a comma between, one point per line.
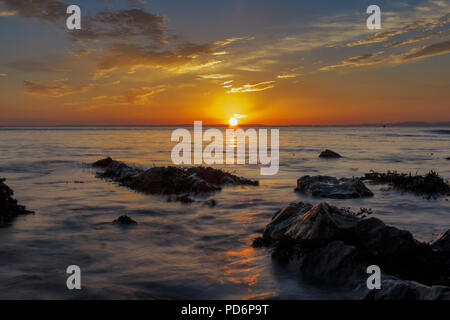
x=233, y=122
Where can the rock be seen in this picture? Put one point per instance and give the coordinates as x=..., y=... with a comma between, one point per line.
x=284, y=219
x=335, y=264
x=9, y=208
x=394, y=289
x=168, y=180
x=442, y=242
x=330, y=187
x=430, y=184
x=447, y=158
x=322, y=223
x=210, y=203
x=335, y=246
x=124, y=220
x=329, y=154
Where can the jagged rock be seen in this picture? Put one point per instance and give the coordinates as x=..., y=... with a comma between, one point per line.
x=9, y=208
x=408, y=290
x=329, y=154
x=168, y=180
x=442, y=242
x=335, y=246
x=125, y=220
x=284, y=219
x=330, y=187
x=430, y=184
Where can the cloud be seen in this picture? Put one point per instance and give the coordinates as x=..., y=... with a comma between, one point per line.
x=183, y=58
x=216, y=76
x=428, y=51
x=395, y=58
x=57, y=88
x=133, y=96
x=418, y=25
x=288, y=76
x=123, y=24
x=255, y=87
x=51, y=10
x=411, y=40
x=358, y=61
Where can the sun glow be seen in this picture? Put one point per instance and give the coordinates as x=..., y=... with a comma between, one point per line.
x=233, y=122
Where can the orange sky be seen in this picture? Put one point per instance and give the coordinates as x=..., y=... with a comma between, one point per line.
x=156, y=66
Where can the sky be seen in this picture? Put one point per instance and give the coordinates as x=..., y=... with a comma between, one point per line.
x=149, y=62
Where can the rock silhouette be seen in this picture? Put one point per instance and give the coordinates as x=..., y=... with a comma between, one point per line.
x=169, y=180
x=9, y=208
x=334, y=247
x=330, y=187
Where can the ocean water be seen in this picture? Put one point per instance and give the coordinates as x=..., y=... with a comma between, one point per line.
x=180, y=251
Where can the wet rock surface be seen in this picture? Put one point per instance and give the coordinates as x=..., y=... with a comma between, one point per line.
x=330, y=187
x=394, y=289
x=125, y=221
x=430, y=184
x=334, y=247
x=9, y=208
x=169, y=180
x=329, y=154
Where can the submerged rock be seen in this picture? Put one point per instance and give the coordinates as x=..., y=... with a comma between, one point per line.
x=430, y=184
x=329, y=154
x=334, y=246
x=330, y=187
x=9, y=208
x=168, y=180
x=124, y=220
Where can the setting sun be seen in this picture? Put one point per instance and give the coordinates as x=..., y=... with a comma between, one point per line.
x=233, y=122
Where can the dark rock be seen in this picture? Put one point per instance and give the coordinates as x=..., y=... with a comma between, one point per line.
x=330, y=187
x=218, y=177
x=336, y=264
x=183, y=199
x=429, y=185
x=442, y=242
x=9, y=208
x=329, y=154
x=335, y=246
x=447, y=158
x=125, y=220
x=394, y=289
x=168, y=180
x=284, y=219
x=210, y=203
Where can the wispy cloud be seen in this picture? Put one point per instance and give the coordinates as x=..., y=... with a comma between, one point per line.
x=428, y=51
x=56, y=89
x=255, y=87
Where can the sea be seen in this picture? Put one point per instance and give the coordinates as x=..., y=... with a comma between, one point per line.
x=189, y=251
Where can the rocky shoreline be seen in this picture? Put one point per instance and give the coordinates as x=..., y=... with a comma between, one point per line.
x=9, y=207
x=334, y=247
x=179, y=183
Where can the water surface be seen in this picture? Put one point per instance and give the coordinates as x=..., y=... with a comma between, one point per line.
x=187, y=251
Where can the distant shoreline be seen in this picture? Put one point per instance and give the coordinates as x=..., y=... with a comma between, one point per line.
x=387, y=125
